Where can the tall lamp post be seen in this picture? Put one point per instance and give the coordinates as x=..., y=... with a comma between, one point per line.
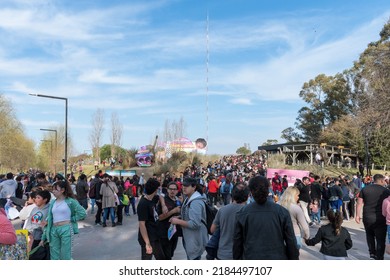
x=51, y=150
x=55, y=146
x=66, y=124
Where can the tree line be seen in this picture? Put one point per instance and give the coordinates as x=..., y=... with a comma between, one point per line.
x=351, y=108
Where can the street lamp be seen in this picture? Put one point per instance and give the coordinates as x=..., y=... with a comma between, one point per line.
x=55, y=146
x=66, y=124
x=51, y=150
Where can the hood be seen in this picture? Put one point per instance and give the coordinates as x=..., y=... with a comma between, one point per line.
x=196, y=195
x=9, y=183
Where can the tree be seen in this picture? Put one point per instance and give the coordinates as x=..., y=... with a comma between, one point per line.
x=16, y=150
x=270, y=142
x=58, y=146
x=328, y=99
x=116, y=134
x=174, y=130
x=243, y=151
x=290, y=135
x=372, y=112
x=95, y=136
x=351, y=109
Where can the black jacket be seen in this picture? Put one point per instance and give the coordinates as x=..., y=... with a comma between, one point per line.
x=264, y=232
x=332, y=245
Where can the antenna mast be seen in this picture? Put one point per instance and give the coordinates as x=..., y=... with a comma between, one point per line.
x=207, y=79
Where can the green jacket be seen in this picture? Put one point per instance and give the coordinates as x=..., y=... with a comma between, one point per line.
x=77, y=213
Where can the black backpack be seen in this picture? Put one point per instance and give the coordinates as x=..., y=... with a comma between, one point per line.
x=92, y=190
x=211, y=212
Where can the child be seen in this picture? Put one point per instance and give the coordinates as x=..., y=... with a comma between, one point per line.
x=335, y=239
x=314, y=205
x=37, y=217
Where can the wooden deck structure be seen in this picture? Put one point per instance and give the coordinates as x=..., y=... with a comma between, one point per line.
x=309, y=153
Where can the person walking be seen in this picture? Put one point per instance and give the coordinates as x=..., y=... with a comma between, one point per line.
x=289, y=200
x=193, y=220
x=82, y=189
x=108, y=191
x=225, y=222
x=148, y=222
x=264, y=230
x=386, y=214
x=335, y=239
x=173, y=203
x=304, y=198
x=372, y=197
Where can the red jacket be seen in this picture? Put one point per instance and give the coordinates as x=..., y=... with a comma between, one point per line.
x=213, y=186
x=276, y=184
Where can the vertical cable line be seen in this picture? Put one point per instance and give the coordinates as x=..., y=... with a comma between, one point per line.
x=207, y=78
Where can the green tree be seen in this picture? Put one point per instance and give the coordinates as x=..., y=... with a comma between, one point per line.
x=328, y=99
x=17, y=151
x=372, y=110
x=270, y=142
x=290, y=135
x=243, y=151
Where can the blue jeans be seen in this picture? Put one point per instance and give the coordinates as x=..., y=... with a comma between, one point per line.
x=388, y=233
x=112, y=214
x=299, y=241
x=315, y=217
x=93, y=202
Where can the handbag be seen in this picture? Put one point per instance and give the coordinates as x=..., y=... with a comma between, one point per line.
x=17, y=251
x=40, y=252
x=125, y=200
x=115, y=196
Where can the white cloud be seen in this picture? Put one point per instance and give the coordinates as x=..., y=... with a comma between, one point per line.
x=241, y=101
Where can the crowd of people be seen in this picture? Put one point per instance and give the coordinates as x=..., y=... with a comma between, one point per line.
x=257, y=217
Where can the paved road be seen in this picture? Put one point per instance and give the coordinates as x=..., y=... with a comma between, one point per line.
x=120, y=243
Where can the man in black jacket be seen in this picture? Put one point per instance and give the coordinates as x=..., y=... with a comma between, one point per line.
x=264, y=229
x=304, y=198
x=372, y=197
x=96, y=183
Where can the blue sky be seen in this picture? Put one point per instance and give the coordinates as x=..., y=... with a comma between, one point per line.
x=146, y=61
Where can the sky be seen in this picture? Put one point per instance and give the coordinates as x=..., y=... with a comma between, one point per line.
x=235, y=80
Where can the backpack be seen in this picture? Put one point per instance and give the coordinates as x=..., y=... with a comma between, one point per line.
x=226, y=187
x=92, y=191
x=211, y=212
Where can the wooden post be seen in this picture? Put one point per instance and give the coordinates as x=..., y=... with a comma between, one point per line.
x=311, y=155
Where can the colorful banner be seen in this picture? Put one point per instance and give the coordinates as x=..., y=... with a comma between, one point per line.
x=292, y=175
x=124, y=173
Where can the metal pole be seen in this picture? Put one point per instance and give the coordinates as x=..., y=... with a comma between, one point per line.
x=66, y=124
x=66, y=137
